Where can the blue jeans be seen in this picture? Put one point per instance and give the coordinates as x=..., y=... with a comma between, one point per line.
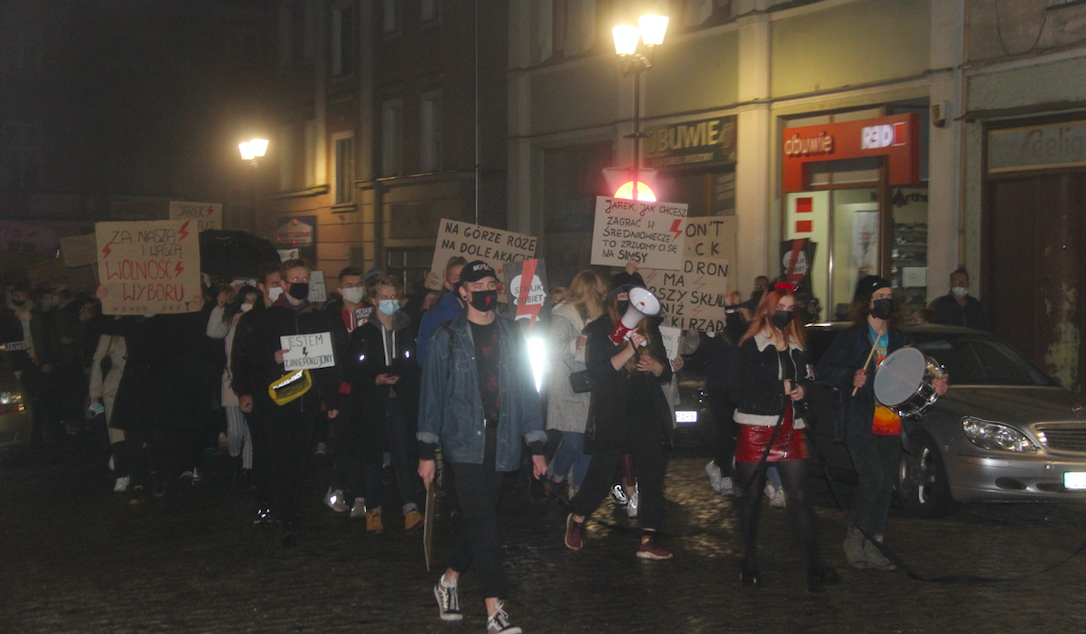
x=570, y=453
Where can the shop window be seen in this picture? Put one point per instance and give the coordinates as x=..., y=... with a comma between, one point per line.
x=285, y=150
x=572, y=179
x=409, y=266
x=344, y=168
x=430, y=132
x=909, y=250
x=392, y=138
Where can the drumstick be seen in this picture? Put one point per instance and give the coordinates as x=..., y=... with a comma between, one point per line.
x=864, y=367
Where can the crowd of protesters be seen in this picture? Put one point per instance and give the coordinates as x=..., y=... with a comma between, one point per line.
x=445, y=368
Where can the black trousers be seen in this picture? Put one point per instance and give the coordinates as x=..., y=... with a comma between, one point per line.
x=472, y=493
x=651, y=463
x=145, y=451
x=258, y=434
x=723, y=411
x=289, y=430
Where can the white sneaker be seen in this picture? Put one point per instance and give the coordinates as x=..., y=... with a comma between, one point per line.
x=111, y=464
x=714, y=475
x=359, y=508
x=334, y=500
x=775, y=495
x=321, y=449
x=498, y=623
x=631, y=508
x=121, y=485
x=224, y=442
x=727, y=488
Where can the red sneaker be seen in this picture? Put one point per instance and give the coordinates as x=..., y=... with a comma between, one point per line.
x=653, y=550
x=574, y=533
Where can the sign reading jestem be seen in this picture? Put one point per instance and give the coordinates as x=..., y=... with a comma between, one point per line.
x=307, y=352
x=203, y=215
x=648, y=233
x=148, y=267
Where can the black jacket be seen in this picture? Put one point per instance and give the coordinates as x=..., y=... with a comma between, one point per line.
x=838, y=366
x=256, y=342
x=365, y=359
x=755, y=383
x=626, y=410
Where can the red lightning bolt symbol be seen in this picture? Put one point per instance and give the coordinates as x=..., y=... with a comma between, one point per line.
x=105, y=251
x=180, y=267
x=675, y=228
x=185, y=234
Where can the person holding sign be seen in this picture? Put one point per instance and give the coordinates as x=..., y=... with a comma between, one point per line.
x=478, y=400
x=384, y=382
x=871, y=431
x=629, y=414
x=289, y=425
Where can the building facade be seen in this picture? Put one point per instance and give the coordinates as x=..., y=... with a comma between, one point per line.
x=754, y=111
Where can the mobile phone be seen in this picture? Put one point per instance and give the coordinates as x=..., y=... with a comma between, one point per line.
x=789, y=385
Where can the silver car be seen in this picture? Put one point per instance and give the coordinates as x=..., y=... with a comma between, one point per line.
x=1004, y=430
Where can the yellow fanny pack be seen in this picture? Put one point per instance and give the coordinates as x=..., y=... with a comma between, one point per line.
x=290, y=387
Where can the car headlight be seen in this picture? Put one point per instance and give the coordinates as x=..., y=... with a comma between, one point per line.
x=991, y=435
x=11, y=398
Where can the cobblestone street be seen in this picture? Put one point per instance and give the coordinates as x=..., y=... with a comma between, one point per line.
x=77, y=558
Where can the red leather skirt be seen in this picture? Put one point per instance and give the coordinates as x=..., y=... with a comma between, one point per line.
x=790, y=443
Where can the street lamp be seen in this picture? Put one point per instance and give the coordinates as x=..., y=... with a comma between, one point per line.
x=253, y=150
x=649, y=32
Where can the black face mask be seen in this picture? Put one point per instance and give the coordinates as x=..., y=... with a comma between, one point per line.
x=299, y=290
x=883, y=308
x=782, y=318
x=19, y=302
x=622, y=307
x=484, y=301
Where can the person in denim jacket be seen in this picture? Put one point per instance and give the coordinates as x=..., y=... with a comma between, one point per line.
x=478, y=399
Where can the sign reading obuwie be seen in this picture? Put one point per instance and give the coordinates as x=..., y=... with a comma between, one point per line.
x=148, y=267
x=648, y=233
x=475, y=242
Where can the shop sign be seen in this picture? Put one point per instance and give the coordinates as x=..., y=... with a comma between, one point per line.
x=896, y=137
x=701, y=143
x=1037, y=147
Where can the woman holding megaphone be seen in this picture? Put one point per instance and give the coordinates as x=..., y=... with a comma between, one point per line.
x=627, y=365
x=768, y=382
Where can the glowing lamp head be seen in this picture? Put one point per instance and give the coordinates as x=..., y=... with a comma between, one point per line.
x=652, y=28
x=253, y=149
x=644, y=192
x=626, y=38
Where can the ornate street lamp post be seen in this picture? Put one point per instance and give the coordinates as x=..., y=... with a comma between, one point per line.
x=635, y=59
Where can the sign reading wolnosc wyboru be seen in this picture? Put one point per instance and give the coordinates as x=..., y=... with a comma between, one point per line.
x=148, y=267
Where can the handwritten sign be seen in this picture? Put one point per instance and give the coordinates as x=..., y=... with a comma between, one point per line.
x=307, y=352
x=710, y=237
x=671, y=340
x=21, y=236
x=287, y=254
x=79, y=250
x=148, y=267
x=50, y=271
x=648, y=233
x=476, y=242
x=695, y=297
x=317, y=290
x=204, y=216
x=527, y=288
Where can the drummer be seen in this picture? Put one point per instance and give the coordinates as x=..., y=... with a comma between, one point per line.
x=871, y=431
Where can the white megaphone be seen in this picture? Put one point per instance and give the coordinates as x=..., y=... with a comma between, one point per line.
x=642, y=304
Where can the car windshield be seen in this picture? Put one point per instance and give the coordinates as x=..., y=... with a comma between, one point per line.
x=974, y=359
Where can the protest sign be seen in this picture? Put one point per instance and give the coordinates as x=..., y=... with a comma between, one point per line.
x=797, y=258
x=475, y=242
x=79, y=250
x=527, y=288
x=671, y=340
x=46, y=272
x=695, y=297
x=648, y=233
x=710, y=237
x=307, y=352
x=204, y=216
x=149, y=267
x=24, y=237
x=287, y=254
x=317, y=290
x=83, y=278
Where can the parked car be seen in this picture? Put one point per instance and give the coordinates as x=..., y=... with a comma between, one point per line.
x=16, y=416
x=1005, y=430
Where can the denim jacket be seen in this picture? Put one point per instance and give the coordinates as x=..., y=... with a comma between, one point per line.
x=451, y=410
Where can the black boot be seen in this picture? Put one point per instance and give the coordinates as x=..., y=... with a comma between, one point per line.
x=819, y=575
x=748, y=572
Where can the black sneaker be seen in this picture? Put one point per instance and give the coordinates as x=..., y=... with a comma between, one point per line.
x=448, y=603
x=498, y=623
x=158, y=484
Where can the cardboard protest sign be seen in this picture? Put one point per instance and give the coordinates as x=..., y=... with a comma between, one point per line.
x=307, y=352
x=317, y=290
x=204, y=216
x=671, y=340
x=83, y=278
x=496, y=247
x=648, y=233
x=287, y=254
x=79, y=250
x=149, y=267
x=24, y=237
x=695, y=297
x=527, y=288
x=46, y=272
x=710, y=237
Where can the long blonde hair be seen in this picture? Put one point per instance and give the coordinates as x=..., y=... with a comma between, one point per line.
x=584, y=295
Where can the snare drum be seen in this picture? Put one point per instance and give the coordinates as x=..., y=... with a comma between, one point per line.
x=903, y=382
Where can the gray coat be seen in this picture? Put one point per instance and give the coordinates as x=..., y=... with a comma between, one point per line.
x=566, y=411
